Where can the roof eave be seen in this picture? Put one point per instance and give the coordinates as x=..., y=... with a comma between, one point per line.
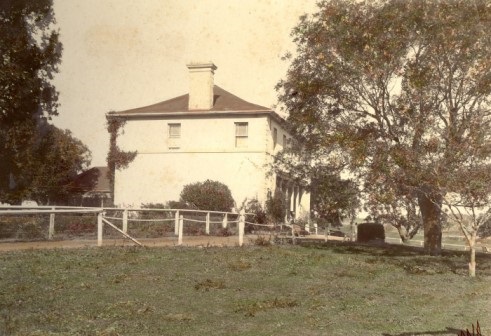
x=188, y=113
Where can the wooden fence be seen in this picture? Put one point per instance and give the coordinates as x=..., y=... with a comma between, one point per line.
x=108, y=216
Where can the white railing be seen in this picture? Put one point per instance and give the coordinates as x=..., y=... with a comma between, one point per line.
x=49, y=210
x=177, y=216
x=104, y=219
x=179, y=220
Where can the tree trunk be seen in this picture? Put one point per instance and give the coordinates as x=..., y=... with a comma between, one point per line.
x=430, y=206
x=403, y=234
x=472, y=264
x=472, y=245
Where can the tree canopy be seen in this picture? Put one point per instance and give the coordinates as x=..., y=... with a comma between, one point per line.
x=333, y=198
x=398, y=94
x=50, y=166
x=36, y=158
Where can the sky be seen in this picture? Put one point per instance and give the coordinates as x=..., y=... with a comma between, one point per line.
x=122, y=54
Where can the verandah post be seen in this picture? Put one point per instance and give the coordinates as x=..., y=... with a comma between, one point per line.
x=99, y=228
x=51, y=229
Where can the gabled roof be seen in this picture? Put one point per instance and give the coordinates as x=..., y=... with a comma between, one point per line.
x=224, y=103
x=93, y=180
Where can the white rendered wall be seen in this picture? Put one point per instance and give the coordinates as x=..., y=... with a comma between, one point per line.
x=207, y=151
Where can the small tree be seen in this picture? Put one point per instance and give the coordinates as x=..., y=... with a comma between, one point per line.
x=469, y=203
x=399, y=210
x=470, y=216
x=208, y=195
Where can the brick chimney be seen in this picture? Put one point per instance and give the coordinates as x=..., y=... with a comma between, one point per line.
x=201, y=85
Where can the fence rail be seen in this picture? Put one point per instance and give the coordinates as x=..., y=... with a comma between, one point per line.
x=123, y=216
x=109, y=221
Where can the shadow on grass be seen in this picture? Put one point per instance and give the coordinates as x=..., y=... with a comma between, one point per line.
x=448, y=331
x=411, y=258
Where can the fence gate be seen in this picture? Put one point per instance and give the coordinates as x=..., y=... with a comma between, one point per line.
x=100, y=224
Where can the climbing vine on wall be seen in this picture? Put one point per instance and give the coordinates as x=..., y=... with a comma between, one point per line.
x=116, y=158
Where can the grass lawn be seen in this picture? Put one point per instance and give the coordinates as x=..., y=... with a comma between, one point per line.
x=280, y=290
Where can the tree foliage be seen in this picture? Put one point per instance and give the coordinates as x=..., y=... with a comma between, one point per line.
x=116, y=158
x=333, y=198
x=36, y=159
x=208, y=195
x=396, y=92
x=52, y=164
x=276, y=207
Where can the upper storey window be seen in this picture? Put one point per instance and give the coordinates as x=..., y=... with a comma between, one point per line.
x=241, y=134
x=174, y=136
x=275, y=137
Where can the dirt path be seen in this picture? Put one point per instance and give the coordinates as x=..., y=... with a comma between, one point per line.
x=148, y=242
x=199, y=241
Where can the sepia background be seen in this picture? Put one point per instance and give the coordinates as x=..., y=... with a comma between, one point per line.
x=120, y=54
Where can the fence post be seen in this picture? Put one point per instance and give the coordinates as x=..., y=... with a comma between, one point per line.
x=176, y=223
x=207, y=223
x=51, y=230
x=125, y=220
x=293, y=233
x=181, y=224
x=99, y=228
x=241, y=227
x=225, y=221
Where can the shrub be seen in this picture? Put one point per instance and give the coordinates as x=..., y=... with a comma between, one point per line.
x=208, y=195
x=30, y=231
x=154, y=214
x=263, y=241
x=370, y=231
x=179, y=205
x=258, y=214
x=276, y=207
x=484, y=230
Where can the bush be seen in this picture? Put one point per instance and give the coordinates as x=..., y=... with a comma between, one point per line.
x=263, y=241
x=484, y=230
x=370, y=231
x=179, y=205
x=276, y=207
x=154, y=214
x=208, y=195
x=258, y=214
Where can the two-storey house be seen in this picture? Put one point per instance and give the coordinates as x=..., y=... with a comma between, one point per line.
x=206, y=134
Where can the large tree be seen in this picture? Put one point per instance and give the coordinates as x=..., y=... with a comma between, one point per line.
x=52, y=164
x=29, y=55
x=396, y=91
